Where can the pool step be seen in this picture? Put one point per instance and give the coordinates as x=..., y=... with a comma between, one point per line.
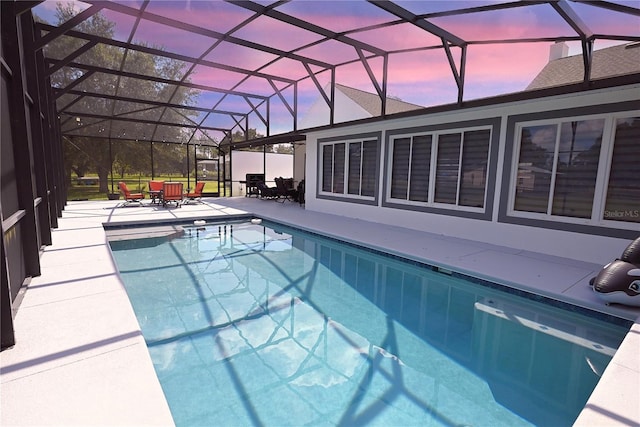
x=163, y=232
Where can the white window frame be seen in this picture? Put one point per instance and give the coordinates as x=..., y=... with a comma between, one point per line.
x=608, y=157
x=435, y=139
x=345, y=190
x=602, y=177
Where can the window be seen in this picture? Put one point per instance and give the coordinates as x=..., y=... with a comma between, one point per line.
x=577, y=168
x=333, y=168
x=447, y=168
x=420, y=169
x=327, y=168
x=355, y=161
x=441, y=168
x=535, y=167
x=338, y=168
x=400, y=168
x=362, y=168
x=411, y=158
x=581, y=169
x=623, y=188
x=350, y=168
x=558, y=167
x=475, y=152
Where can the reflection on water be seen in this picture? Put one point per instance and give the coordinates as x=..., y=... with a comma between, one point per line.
x=247, y=325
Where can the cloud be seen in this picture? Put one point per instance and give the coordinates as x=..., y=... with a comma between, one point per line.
x=523, y=22
x=421, y=77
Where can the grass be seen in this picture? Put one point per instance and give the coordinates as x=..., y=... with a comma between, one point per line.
x=88, y=190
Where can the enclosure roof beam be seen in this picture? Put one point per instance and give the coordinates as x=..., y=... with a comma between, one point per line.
x=613, y=6
x=65, y=27
x=206, y=32
x=152, y=51
x=130, y=120
x=407, y=16
x=24, y=6
x=296, y=22
x=285, y=138
x=149, y=102
x=158, y=79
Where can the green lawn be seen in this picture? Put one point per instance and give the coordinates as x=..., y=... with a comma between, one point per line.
x=88, y=188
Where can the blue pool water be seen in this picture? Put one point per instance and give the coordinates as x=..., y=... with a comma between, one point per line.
x=254, y=325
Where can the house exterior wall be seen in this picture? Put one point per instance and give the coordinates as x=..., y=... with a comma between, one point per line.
x=345, y=110
x=495, y=223
x=299, y=162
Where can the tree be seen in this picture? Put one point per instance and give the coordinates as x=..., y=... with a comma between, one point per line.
x=130, y=156
x=238, y=136
x=76, y=159
x=283, y=148
x=96, y=151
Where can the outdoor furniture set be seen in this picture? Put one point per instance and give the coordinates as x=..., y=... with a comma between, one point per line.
x=284, y=190
x=163, y=192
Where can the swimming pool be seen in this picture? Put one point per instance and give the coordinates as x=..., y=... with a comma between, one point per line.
x=253, y=324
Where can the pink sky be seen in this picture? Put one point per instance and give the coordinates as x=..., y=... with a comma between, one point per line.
x=423, y=78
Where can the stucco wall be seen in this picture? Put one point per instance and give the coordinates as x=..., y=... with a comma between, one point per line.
x=581, y=246
x=345, y=110
x=299, y=162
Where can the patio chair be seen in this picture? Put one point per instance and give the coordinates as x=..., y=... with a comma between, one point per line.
x=128, y=196
x=196, y=194
x=172, y=193
x=155, y=191
x=285, y=188
x=301, y=192
x=267, y=192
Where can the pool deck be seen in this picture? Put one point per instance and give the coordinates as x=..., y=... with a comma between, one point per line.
x=80, y=358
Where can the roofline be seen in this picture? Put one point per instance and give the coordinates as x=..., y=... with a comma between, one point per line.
x=300, y=135
x=612, y=82
x=389, y=98
x=284, y=138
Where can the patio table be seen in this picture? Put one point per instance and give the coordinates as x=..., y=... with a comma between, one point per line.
x=155, y=196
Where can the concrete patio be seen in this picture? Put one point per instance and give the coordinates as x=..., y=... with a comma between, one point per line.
x=80, y=358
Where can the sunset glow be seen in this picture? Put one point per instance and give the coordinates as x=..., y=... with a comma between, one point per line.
x=505, y=48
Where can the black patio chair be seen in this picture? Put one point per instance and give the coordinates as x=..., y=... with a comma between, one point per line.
x=285, y=188
x=301, y=192
x=265, y=192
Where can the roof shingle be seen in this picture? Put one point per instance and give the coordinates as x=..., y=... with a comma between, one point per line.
x=607, y=62
x=371, y=102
